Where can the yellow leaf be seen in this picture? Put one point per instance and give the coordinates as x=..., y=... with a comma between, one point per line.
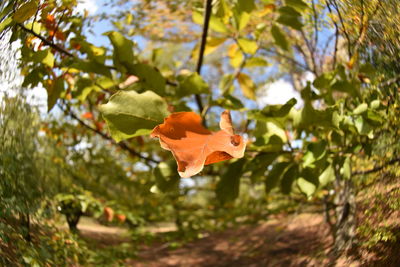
x=217, y=25
x=235, y=55
x=197, y=17
x=213, y=44
x=247, y=85
x=266, y=10
x=232, y=50
x=248, y=46
x=243, y=20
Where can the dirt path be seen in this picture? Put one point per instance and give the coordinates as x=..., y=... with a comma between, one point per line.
x=301, y=240
x=286, y=240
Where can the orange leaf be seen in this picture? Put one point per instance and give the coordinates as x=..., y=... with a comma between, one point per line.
x=193, y=146
x=121, y=218
x=87, y=115
x=108, y=213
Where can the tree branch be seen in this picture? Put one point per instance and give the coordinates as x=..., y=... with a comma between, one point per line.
x=336, y=36
x=335, y=4
x=390, y=81
x=310, y=50
x=292, y=60
x=315, y=26
x=207, y=16
x=123, y=145
x=45, y=41
x=378, y=168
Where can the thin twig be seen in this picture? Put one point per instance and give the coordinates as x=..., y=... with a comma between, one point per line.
x=122, y=144
x=207, y=15
x=34, y=18
x=335, y=4
x=303, y=53
x=310, y=50
x=292, y=60
x=390, y=81
x=336, y=35
x=45, y=41
x=57, y=26
x=378, y=168
x=315, y=26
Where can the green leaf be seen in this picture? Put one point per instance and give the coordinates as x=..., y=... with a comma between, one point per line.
x=375, y=104
x=306, y=187
x=327, y=176
x=290, y=17
x=149, y=78
x=45, y=57
x=374, y=118
x=279, y=38
x=54, y=92
x=255, y=62
x=218, y=25
x=130, y=114
x=191, y=84
x=345, y=171
x=34, y=77
x=288, y=178
x=94, y=53
x=258, y=165
x=323, y=81
x=197, y=17
x=274, y=175
x=89, y=67
x=84, y=87
x=26, y=11
x=167, y=177
x=228, y=186
x=222, y=9
x=8, y=22
x=315, y=153
x=36, y=27
x=245, y=5
x=226, y=83
x=228, y=102
x=308, y=117
x=299, y=5
x=273, y=111
x=241, y=20
x=363, y=127
x=345, y=87
x=247, y=86
x=268, y=143
x=216, y=21
x=247, y=45
x=368, y=70
x=261, y=161
x=360, y=109
x=123, y=50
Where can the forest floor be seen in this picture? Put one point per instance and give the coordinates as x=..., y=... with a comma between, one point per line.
x=284, y=240
x=295, y=240
x=288, y=241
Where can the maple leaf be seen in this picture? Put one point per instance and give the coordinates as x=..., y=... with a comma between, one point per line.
x=194, y=146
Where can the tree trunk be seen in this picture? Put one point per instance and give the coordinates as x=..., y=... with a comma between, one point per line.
x=346, y=217
x=73, y=220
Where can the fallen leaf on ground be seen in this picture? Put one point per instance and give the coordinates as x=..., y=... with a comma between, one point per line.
x=194, y=146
